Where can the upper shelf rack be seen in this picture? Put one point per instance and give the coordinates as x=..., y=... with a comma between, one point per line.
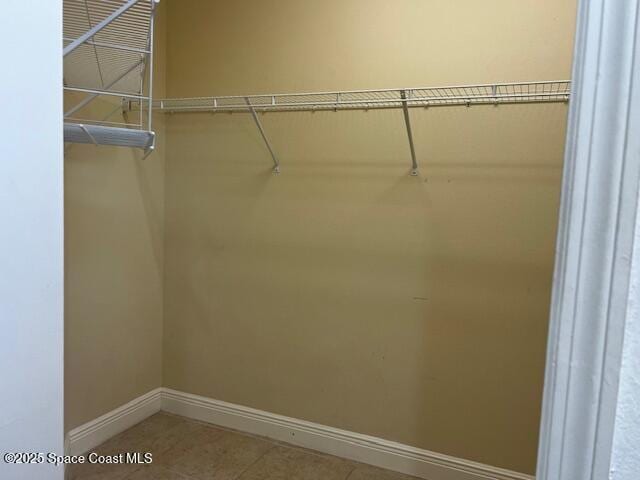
x=497, y=93
x=108, y=54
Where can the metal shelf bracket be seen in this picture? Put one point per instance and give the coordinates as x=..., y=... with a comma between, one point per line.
x=254, y=114
x=406, y=95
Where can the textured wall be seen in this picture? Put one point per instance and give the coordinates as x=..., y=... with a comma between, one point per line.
x=114, y=214
x=344, y=291
x=626, y=447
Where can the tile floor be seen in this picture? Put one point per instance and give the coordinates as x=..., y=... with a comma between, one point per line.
x=187, y=450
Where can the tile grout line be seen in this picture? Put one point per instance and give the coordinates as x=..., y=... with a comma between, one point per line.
x=224, y=433
x=178, y=472
x=355, y=467
x=256, y=461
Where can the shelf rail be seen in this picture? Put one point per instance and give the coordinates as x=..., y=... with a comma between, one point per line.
x=552, y=91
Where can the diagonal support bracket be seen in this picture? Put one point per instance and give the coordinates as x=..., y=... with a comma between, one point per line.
x=254, y=114
x=404, y=94
x=86, y=131
x=94, y=30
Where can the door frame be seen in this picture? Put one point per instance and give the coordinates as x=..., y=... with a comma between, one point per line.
x=594, y=251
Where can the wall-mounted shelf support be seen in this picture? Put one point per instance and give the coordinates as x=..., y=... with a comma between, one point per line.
x=494, y=94
x=405, y=95
x=254, y=114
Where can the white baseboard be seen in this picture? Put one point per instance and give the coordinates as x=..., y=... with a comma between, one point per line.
x=354, y=446
x=95, y=432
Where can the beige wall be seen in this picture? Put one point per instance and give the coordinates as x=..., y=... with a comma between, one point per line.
x=114, y=215
x=344, y=291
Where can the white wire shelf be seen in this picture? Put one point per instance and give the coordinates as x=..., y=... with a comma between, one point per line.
x=112, y=51
x=108, y=54
x=107, y=135
x=487, y=94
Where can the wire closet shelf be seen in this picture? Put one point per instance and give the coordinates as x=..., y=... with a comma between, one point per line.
x=108, y=55
x=487, y=94
x=405, y=98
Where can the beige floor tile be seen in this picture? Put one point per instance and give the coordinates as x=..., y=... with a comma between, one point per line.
x=186, y=450
x=155, y=472
x=182, y=439
x=223, y=457
x=184, y=436
x=142, y=436
x=365, y=472
x=283, y=463
x=100, y=471
x=158, y=423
